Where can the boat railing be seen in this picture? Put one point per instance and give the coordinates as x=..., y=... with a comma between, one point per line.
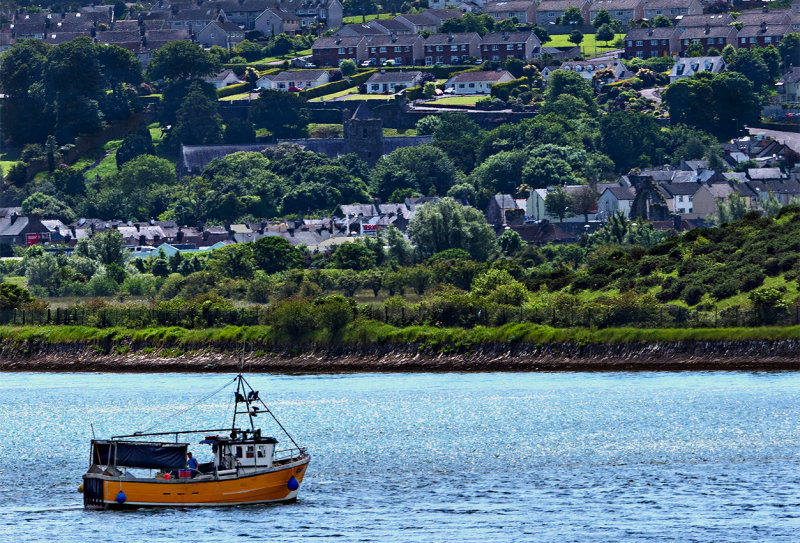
x=285, y=455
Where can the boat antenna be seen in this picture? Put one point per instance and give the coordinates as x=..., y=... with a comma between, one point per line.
x=253, y=397
x=91, y=425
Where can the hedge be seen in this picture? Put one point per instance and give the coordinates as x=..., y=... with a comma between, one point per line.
x=439, y=72
x=327, y=88
x=260, y=66
x=230, y=90
x=362, y=77
x=413, y=93
x=503, y=90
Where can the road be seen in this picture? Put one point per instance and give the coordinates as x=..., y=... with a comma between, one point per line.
x=792, y=139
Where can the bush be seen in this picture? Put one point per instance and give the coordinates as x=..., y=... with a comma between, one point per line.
x=692, y=294
x=17, y=174
x=293, y=317
x=334, y=312
x=723, y=290
x=230, y=90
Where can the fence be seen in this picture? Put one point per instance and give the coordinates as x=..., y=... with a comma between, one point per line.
x=438, y=314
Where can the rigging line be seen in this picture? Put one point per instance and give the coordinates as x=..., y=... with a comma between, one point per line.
x=271, y=414
x=184, y=410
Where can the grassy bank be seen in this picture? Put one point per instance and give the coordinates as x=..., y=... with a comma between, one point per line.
x=376, y=333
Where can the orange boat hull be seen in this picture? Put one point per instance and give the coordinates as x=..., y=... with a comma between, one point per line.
x=267, y=487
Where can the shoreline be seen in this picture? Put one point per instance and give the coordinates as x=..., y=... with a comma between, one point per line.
x=694, y=355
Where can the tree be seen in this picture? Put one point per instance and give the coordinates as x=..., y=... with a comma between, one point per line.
x=627, y=136
x=104, y=247
x=570, y=83
x=695, y=50
x=198, y=121
x=463, y=192
x=309, y=197
x=661, y=21
x=136, y=142
x=572, y=16
x=353, y=256
x=428, y=91
x=181, y=60
x=239, y=131
x=541, y=172
x=234, y=260
x=399, y=249
x=576, y=36
x=145, y=172
x=14, y=296
x=789, y=48
x=605, y=33
x=510, y=242
x=557, y=203
x=118, y=65
x=772, y=206
x=47, y=207
x=584, y=201
x=359, y=7
x=120, y=9
x=274, y=254
x=348, y=67
x=424, y=168
x=455, y=126
x=541, y=33
x=602, y=18
x=448, y=225
x=282, y=113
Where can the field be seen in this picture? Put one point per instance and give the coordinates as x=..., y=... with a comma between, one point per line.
x=357, y=18
x=458, y=100
x=8, y=159
x=589, y=46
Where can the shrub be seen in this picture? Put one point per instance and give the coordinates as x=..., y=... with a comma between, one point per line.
x=334, y=312
x=723, y=290
x=692, y=294
x=292, y=317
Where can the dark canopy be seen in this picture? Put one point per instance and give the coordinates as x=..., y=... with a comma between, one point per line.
x=140, y=455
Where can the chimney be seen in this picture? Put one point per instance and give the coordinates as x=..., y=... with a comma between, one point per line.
x=14, y=218
x=227, y=225
x=708, y=28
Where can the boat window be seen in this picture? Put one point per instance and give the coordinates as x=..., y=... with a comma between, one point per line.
x=261, y=451
x=250, y=451
x=238, y=452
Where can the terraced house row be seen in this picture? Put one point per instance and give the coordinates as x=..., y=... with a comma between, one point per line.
x=410, y=50
x=713, y=31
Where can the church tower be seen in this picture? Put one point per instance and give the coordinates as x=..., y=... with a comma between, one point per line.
x=363, y=134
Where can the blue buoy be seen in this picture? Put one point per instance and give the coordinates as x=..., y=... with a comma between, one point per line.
x=121, y=497
x=293, y=484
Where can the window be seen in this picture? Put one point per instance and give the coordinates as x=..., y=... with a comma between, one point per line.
x=440, y=48
x=653, y=42
x=238, y=452
x=454, y=47
x=620, y=13
x=519, y=46
x=654, y=53
x=342, y=51
x=472, y=85
x=375, y=87
x=281, y=85
x=752, y=40
x=630, y=44
x=373, y=49
x=383, y=49
x=639, y=43
x=398, y=60
x=398, y=49
x=767, y=39
x=453, y=60
x=407, y=49
x=463, y=47
x=428, y=61
x=251, y=451
x=495, y=47
x=461, y=85
x=640, y=54
x=744, y=40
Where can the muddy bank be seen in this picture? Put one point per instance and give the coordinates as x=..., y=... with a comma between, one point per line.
x=686, y=355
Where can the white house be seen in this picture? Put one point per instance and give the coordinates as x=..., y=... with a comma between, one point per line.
x=477, y=82
x=534, y=206
x=687, y=67
x=300, y=79
x=587, y=68
x=223, y=79
x=392, y=81
x=615, y=199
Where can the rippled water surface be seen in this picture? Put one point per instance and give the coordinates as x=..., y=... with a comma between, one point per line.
x=436, y=457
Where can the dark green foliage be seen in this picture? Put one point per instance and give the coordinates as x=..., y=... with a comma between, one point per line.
x=282, y=113
x=14, y=296
x=273, y=254
x=137, y=142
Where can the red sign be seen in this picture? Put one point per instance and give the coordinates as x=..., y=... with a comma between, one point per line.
x=369, y=227
x=31, y=239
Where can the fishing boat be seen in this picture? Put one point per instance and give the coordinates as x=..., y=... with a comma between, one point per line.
x=147, y=470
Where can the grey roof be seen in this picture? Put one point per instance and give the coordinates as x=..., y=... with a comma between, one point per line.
x=394, y=39
x=513, y=5
x=559, y=5
x=365, y=210
x=294, y=75
x=10, y=226
x=659, y=33
x=390, y=24
x=337, y=41
x=621, y=193
x=739, y=177
x=492, y=75
x=455, y=37
x=505, y=201
x=609, y=5
x=507, y=37
x=713, y=19
x=754, y=31
x=762, y=174
x=707, y=32
x=676, y=189
x=755, y=17
x=363, y=111
x=793, y=76
x=394, y=77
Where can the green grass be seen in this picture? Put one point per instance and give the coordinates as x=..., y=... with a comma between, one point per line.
x=393, y=132
x=8, y=159
x=280, y=58
x=459, y=100
x=373, y=332
x=240, y=96
x=357, y=18
x=327, y=97
x=381, y=97
x=589, y=47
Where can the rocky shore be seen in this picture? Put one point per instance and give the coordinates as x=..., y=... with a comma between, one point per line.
x=408, y=357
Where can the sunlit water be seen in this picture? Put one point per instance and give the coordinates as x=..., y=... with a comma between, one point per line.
x=436, y=457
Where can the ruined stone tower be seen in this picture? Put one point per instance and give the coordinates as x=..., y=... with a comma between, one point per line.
x=363, y=134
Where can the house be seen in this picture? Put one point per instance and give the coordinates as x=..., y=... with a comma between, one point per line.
x=766, y=174
x=671, y=9
x=651, y=42
x=550, y=10
x=754, y=17
x=245, y=12
x=223, y=79
x=274, y=21
x=762, y=35
x=683, y=22
x=499, y=206
x=390, y=26
x=297, y=79
x=789, y=86
x=623, y=11
x=556, y=53
x=587, y=68
x=223, y=34
x=193, y=19
x=393, y=81
x=506, y=45
x=419, y=22
x=523, y=10
x=709, y=37
x=534, y=205
x=24, y=231
x=29, y=25
x=687, y=67
x=477, y=82
x=330, y=51
x=352, y=30
x=403, y=50
x=451, y=48
x=613, y=199
x=679, y=196
x=705, y=199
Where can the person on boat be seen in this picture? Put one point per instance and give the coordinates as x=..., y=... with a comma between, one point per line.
x=191, y=463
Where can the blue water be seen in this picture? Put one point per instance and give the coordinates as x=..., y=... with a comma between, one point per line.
x=436, y=457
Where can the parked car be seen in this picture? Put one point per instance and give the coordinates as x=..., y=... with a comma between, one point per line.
x=450, y=90
x=309, y=65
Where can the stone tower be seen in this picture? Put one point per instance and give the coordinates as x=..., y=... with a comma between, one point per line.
x=363, y=134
